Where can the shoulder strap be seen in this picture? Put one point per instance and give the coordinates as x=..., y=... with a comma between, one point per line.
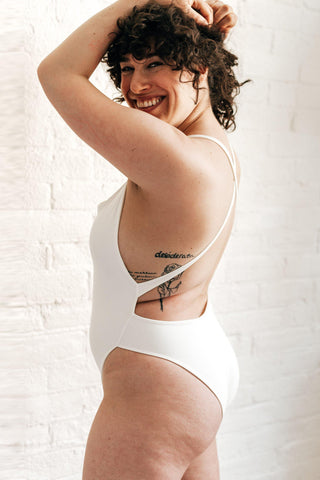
x=155, y=282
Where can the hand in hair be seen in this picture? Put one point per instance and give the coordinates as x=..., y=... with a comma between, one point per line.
x=207, y=12
x=199, y=10
x=223, y=16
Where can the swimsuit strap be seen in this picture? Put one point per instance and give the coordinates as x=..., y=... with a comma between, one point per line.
x=155, y=282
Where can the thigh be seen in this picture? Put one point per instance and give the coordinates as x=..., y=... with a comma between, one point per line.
x=155, y=415
x=205, y=466
x=116, y=450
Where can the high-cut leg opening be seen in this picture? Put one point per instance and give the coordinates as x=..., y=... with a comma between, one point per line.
x=171, y=360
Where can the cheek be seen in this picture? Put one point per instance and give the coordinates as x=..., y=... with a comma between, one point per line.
x=124, y=85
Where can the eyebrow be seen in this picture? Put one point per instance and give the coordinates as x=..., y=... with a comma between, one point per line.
x=124, y=58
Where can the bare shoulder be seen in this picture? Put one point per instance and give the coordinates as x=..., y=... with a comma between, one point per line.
x=205, y=168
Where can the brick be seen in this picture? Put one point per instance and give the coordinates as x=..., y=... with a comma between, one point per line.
x=243, y=244
x=52, y=286
x=282, y=94
x=66, y=254
x=312, y=4
x=22, y=320
x=254, y=268
x=254, y=141
x=292, y=195
x=285, y=43
x=66, y=404
x=13, y=193
x=67, y=432
x=76, y=195
x=286, y=364
x=253, y=35
x=309, y=69
x=308, y=96
x=44, y=164
x=285, y=292
x=310, y=22
x=236, y=296
x=274, y=15
x=36, y=255
x=60, y=346
x=269, y=171
x=66, y=315
x=37, y=436
x=36, y=380
x=107, y=174
x=81, y=371
x=283, y=340
x=38, y=197
x=91, y=398
x=299, y=405
x=59, y=462
x=12, y=383
x=255, y=92
x=274, y=67
x=306, y=121
x=293, y=145
x=57, y=226
x=306, y=266
x=285, y=387
x=290, y=241
x=273, y=119
x=307, y=171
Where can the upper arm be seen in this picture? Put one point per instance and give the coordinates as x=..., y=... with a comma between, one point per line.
x=145, y=149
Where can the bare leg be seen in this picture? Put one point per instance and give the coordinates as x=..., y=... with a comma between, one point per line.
x=155, y=419
x=205, y=466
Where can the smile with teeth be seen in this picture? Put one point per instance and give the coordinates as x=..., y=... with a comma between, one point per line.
x=148, y=103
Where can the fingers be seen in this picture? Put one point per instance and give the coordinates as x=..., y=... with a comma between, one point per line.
x=205, y=12
x=224, y=16
x=227, y=22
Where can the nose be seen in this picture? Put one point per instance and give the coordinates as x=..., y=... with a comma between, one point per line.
x=139, y=83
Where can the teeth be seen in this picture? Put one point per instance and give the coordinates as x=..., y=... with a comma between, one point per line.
x=149, y=103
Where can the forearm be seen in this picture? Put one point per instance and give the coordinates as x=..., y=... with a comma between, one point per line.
x=82, y=51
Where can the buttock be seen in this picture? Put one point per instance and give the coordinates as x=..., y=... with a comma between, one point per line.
x=199, y=346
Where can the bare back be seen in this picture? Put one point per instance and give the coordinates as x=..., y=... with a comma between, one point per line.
x=159, y=232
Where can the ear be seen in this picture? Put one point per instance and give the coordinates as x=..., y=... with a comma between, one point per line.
x=203, y=70
x=203, y=74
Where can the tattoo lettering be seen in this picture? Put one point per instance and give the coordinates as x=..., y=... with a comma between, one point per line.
x=142, y=276
x=162, y=254
x=170, y=287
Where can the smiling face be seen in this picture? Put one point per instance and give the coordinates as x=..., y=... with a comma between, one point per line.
x=157, y=88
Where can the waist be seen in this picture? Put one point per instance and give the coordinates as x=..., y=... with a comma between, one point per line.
x=187, y=305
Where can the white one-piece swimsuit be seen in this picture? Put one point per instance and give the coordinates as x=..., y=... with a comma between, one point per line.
x=199, y=345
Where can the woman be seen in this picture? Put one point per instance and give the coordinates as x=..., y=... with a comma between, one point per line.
x=168, y=370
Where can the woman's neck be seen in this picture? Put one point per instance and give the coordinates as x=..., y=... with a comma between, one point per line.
x=201, y=120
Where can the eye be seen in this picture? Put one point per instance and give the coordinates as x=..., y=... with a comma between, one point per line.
x=154, y=64
x=126, y=69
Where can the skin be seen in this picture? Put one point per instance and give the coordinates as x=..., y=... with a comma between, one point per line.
x=142, y=390
x=152, y=77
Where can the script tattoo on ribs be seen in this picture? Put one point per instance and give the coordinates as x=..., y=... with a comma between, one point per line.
x=170, y=287
x=142, y=276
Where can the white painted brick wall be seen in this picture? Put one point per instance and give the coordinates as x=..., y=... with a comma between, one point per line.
x=266, y=290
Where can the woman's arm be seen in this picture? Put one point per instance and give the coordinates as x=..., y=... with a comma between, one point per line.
x=128, y=138
x=82, y=51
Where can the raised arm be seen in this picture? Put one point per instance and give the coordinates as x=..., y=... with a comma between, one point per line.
x=130, y=139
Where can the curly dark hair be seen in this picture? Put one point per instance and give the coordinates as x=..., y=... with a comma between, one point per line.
x=171, y=34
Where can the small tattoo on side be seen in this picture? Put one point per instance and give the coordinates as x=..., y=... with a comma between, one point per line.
x=170, y=287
